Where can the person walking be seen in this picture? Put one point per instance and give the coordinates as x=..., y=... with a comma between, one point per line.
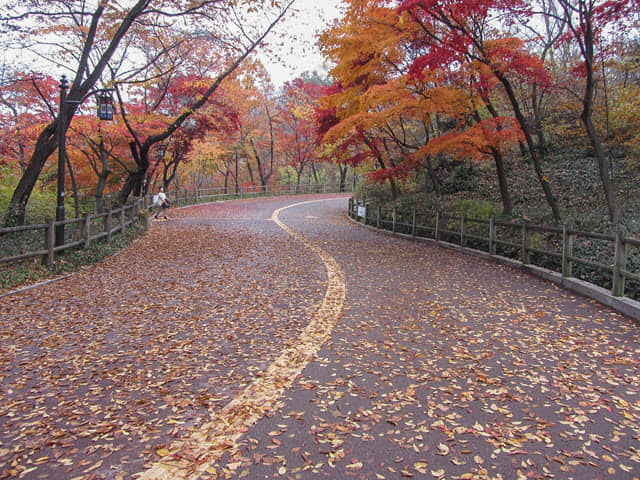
x=161, y=202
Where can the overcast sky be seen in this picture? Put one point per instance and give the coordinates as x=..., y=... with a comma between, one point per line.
x=299, y=52
x=294, y=40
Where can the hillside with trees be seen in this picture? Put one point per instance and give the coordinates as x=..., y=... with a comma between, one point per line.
x=528, y=108
x=531, y=106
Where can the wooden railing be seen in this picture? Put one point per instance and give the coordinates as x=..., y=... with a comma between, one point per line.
x=29, y=241
x=182, y=197
x=615, y=265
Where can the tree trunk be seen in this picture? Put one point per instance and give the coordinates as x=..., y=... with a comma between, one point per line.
x=544, y=182
x=507, y=206
x=537, y=115
x=604, y=167
x=74, y=187
x=250, y=170
x=261, y=173
x=133, y=183
x=435, y=181
x=344, y=170
x=102, y=178
x=604, y=164
x=45, y=146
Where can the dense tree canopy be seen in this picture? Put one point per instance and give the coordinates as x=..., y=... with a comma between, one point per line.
x=416, y=88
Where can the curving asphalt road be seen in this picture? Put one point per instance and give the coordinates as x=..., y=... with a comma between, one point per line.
x=272, y=338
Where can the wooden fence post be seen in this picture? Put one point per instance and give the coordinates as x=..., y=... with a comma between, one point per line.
x=413, y=221
x=437, y=232
x=492, y=236
x=86, y=230
x=525, y=256
x=463, y=231
x=122, y=219
x=567, y=251
x=107, y=224
x=394, y=220
x=619, y=264
x=378, y=217
x=50, y=241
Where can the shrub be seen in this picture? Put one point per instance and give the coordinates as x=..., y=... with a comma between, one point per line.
x=478, y=209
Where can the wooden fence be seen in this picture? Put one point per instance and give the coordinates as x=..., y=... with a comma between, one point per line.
x=38, y=240
x=614, y=262
x=17, y=243
x=182, y=197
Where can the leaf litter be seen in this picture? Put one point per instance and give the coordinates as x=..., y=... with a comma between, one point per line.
x=442, y=366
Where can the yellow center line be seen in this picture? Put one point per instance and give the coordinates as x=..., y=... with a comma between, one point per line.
x=188, y=459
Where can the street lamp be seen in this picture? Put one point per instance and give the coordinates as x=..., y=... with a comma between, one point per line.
x=61, y=131
x=105, y=105
x=105, y=112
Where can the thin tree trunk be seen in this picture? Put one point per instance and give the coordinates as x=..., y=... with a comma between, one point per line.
x=435, y=181
x=344, y=170
x=604, y=164
x=74, y=187
x=102, y=177
x=507, y=206
x=535, y=160
x=45, y=146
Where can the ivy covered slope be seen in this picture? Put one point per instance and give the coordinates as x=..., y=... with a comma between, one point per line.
x=469, y=188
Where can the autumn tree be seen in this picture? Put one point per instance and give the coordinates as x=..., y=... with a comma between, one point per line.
x=90, y=41
x=587, y=21
x=460, y=32
x=298, y=125
x=399, y=113
x=27, y=102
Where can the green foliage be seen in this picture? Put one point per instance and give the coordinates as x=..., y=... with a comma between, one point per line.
x=478, y=209
x=375, y=193
x=463, y=178
x=42, y=202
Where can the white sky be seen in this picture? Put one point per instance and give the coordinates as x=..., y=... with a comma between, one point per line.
x=300, y=28
x=293, y=39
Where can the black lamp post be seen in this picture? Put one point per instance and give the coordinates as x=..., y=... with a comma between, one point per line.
x=105, y=112
x=61, y=131
x=236, y=173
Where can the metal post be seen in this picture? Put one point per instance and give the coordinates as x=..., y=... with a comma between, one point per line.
x=61, y=133
x=379, y=216
x=437, y=233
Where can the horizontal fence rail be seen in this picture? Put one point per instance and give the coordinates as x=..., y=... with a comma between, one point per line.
x=30, y=241
x=38, y=240
x=182, y=197
x=611, y=261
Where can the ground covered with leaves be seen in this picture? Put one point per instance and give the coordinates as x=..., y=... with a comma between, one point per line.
x=440, y=365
